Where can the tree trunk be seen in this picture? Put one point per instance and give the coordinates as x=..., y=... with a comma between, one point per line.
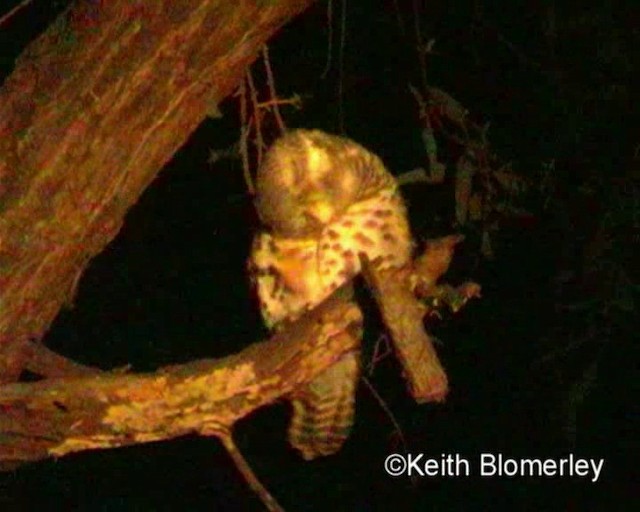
x=93, y=110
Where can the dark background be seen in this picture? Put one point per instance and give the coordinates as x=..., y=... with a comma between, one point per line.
x=541, y=366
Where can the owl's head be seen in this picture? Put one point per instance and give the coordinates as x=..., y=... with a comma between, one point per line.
x=309, y=178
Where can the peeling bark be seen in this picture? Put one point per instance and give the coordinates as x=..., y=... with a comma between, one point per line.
x=55, y=417
x=88, y=409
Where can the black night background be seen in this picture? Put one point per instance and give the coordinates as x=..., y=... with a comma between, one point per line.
x=540, y=366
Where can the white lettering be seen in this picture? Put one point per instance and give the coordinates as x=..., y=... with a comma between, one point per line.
x=412, y=464
x=493, y=465
x=488, y=464
x=431, y=467
x=532, y=467
x=508, y=463
x=596, y=469
x=581, y=467
x=460, y=461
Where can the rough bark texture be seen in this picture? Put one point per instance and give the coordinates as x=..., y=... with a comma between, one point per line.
x=89, y=409
x=94, y=108
x=402, y=314
x=60, y=416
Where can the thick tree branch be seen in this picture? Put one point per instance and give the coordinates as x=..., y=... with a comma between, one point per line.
x=88, y=410
x=94, y=108
x=59, y=416
x=403, y=316
x=397, y=292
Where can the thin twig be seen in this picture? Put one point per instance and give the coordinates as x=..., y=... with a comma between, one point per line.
x=388, y=412
x=244, y=135
x=256, y=116
x=343, y=38
x=327, y=66
x=419, y=44
x=378, y=354
x=13, y=11
x=272, y=87
x=248, y=474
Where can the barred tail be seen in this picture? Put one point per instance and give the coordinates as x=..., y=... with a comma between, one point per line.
x=323, y=411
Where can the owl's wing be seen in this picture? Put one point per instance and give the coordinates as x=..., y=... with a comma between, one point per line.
x=323, y=410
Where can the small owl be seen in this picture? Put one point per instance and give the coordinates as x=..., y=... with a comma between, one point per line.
x=322, y=200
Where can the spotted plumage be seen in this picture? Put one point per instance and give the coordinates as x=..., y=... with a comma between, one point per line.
x=323, y=200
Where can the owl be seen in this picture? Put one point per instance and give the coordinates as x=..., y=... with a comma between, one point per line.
x=322, y=200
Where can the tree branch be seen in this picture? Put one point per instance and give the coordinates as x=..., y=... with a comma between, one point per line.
x=59, y=416
x=405, y=296
x=94, y=108
x=403, y=316
x=87, y=410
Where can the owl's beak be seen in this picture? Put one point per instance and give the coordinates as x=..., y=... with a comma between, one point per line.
x=320, y=209
x=321, y=212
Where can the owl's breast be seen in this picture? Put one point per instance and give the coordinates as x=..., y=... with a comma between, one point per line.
x=295, y=275
x=376, y=227
x=286, y=275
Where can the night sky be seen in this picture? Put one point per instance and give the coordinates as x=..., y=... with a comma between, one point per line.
x=172, y=286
